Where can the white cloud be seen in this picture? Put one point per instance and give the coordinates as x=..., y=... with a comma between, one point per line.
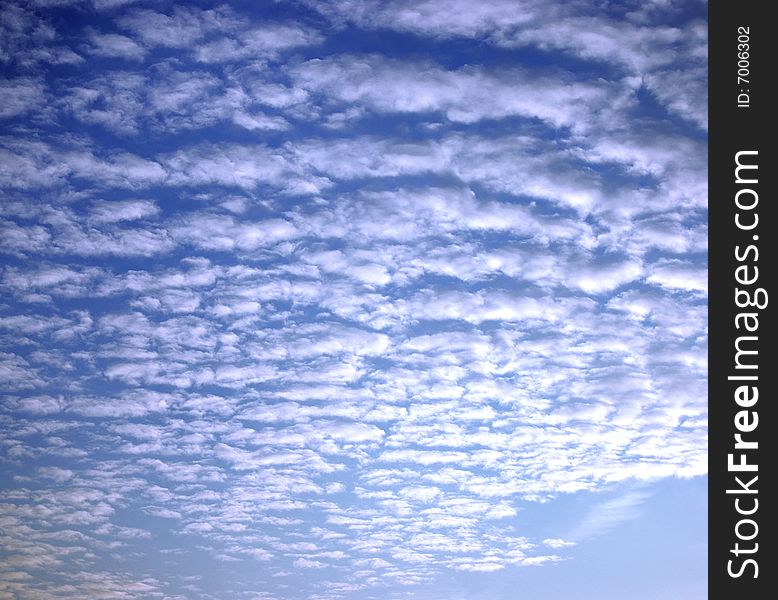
x=127, y=210
x=679, y=275
x=115, y=45
x=465, y=96
x=269, y=297
x=643, y=46
x=607, y=515
x=256, y=43
x=20, y=96
x=180, y=29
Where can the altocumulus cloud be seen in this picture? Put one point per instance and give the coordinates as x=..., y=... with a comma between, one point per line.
x=318, y=297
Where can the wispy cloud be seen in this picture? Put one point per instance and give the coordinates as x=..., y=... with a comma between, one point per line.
x=606, y=516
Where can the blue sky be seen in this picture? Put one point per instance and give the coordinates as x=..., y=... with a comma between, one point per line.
x=346, y=300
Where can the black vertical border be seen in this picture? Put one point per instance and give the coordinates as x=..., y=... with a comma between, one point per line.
x=731, y=129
